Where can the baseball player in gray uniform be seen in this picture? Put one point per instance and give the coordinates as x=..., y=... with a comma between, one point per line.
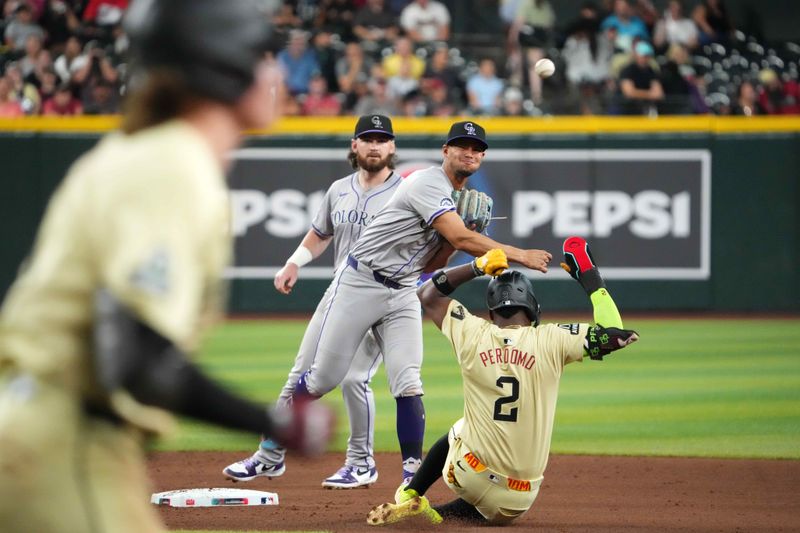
x=348, y=206
x=374, y=289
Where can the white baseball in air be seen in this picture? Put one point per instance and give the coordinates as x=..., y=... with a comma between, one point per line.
x=544, y=68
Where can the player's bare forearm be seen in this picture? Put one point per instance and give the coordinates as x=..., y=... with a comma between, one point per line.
x=316, y=243
x=452, y=228
x=310, y=248
x=434, y=302
x=441, y=258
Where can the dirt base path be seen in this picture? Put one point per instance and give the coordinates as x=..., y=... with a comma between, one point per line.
x=580, y=493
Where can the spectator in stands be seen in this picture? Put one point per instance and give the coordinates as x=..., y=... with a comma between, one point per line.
x=676, y=84
x=291, y=107
x=713, y=21
x=439, y=68
x=620, y=60
x=626, y=25
x=359, y=91
x=425, y=21
x=43, y=64
x=60, y=22
x=319, y=101
x=24, y=93
x=9, y=106
x=639, y=87
x=48, y=84
x=513, y=103
x=374, y=25
x=508, y=11
x=335, y=17
x=298, y=62
x=440, y=104
x=588, y=54
x=352, y=67
x=485, y=89
x=403, y=54
x=376, y=101
x=588, y=20
x=397, y=6
x=21, y=27
x=33, y=45
x=101, y=99
x=285, y=19
x=647, y=13
x=72, y=60
x=98, y=70
x=414, y=104
x=402, y=83
x=327, y=53
x=530, y=35
x=62, y=103
x=747, y=103
x=105, y=13
x=675, y=28
x=777, y=97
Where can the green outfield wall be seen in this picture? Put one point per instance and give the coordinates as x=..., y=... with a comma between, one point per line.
x=730, y=217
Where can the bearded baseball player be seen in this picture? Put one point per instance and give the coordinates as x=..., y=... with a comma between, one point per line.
x=95, y=332
x=348, y=206
x=494, y=458
x=375, y=288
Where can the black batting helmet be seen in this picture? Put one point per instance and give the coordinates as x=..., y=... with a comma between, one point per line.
x=512, y=289
x=213, y=45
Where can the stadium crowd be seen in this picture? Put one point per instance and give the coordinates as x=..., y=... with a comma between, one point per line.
x=402, y=58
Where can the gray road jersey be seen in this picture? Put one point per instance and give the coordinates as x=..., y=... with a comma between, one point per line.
x=347, y=208
x=400, y=240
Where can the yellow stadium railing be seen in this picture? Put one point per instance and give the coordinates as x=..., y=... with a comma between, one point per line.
x=439, y=126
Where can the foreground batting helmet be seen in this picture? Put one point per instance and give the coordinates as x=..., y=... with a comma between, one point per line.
x=512, y=289
x=214, y=45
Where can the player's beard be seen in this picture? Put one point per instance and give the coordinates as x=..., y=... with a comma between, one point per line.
x=463, y=173
x=370, y=164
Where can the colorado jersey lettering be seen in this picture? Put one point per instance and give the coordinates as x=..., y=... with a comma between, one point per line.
x=347, y=209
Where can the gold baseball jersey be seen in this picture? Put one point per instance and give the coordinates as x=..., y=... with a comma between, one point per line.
x=511, y=378
x=143, y=215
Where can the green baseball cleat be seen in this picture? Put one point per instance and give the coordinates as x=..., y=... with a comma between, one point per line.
x=413, y=505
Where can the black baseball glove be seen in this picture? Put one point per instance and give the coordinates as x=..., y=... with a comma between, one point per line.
x=474, y=207
x=601, y=341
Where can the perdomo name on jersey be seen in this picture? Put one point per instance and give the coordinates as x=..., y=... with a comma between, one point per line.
x=512, y=356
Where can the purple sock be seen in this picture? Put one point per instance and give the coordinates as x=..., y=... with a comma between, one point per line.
x=301, y=389
x=410, y=426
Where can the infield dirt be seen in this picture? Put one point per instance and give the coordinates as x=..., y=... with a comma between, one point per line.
x=580, y=493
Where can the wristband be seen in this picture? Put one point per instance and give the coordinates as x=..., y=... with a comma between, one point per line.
x=301, y=256
x=591, y=280
x=441, y=283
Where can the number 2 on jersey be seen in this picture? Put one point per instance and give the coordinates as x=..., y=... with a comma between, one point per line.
x=511, y=416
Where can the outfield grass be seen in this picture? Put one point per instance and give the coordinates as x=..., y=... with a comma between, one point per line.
x=717, y=388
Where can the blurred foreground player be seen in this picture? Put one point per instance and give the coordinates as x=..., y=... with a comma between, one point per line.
x=125, y=270
x=494, y=458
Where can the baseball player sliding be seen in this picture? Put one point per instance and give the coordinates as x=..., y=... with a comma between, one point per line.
x=375, y=287
x=494, y=458
x=348, y=206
